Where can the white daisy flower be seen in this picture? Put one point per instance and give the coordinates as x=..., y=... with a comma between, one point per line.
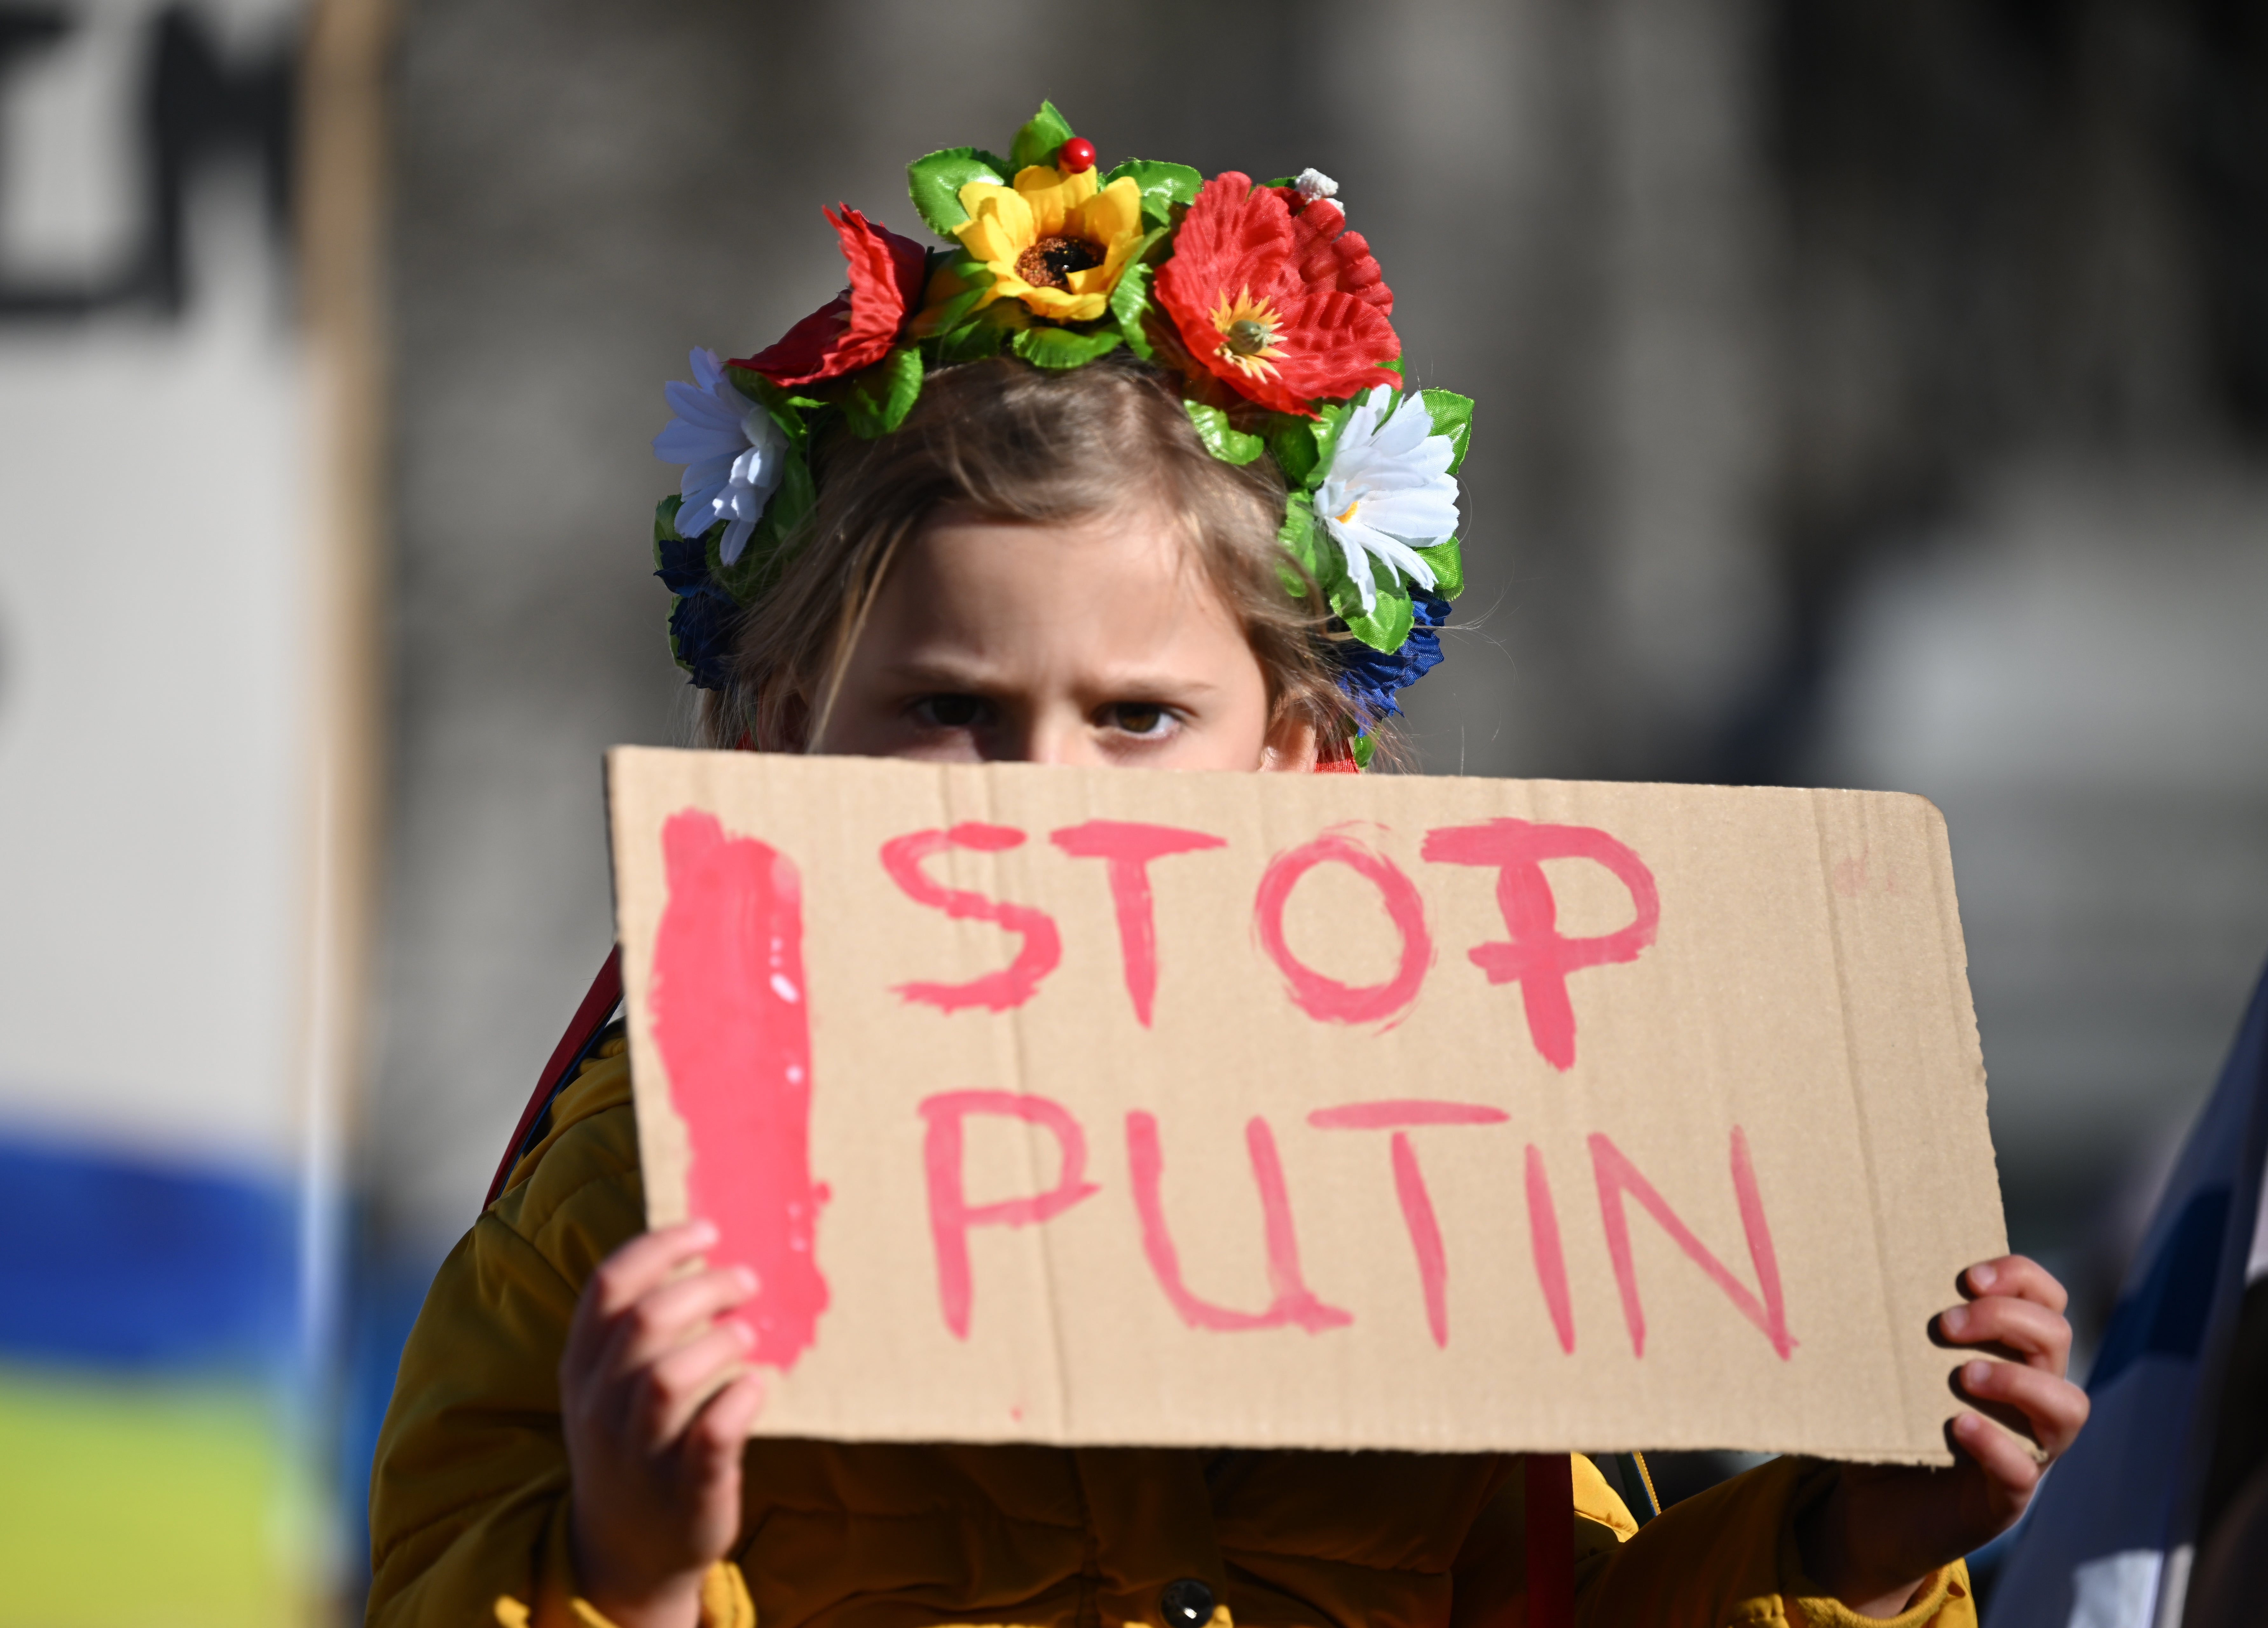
x=1389, y=491
x=733, y=453
x=1312, y=183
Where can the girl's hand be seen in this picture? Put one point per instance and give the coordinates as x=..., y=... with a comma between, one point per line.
x=1874, y=1539
x=656, y=1408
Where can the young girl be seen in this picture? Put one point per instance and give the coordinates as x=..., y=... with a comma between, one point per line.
x=1129, y=479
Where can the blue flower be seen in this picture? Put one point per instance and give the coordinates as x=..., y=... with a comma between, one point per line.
x=681, y=561
x=701, y=633
x=1371, y=677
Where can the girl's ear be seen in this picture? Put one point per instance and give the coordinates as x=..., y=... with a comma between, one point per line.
x=1291, y=748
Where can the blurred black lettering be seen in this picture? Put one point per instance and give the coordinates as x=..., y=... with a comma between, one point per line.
x=195, y=108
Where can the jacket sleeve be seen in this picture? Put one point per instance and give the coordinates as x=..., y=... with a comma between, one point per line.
x=1728, y=1556
x=468, y=1492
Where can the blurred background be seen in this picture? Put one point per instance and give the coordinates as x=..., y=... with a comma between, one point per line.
x=1873, y=392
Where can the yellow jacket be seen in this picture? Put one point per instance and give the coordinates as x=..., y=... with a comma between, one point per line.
x=468, y=1505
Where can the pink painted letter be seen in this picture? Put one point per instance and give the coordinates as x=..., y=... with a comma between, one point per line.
x=1042, y=948
x=1543, y=1248
x=1295, y=1303
x=1616, y=1175
x=951, y=1215
x=733, y=1026
x=1538, y=958
x=1129, y=846
x=1410, y=1183
x=1328, y=998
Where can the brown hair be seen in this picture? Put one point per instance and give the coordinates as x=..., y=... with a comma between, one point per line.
x=1006, y=441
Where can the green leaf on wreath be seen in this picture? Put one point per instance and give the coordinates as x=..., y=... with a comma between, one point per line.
x=1297, y=536
x=1448, y=560
x=1223, y=440
x=1163, y=186
x=971, y=342
x=1315, y=548
x=772, y=543
x=986, y=334
x=876, y=400
x=787, y=406
x=936, y=181
x=790, y=505
x=1363, y=745
x=1387, y=622
x=1452, y=416
x=1325, y=427
x=974, y=277
x=1037, y=141
x=1292, y=440
x=745, y=578
x=1129, y=301
x=665, y=525
x=1060, y=347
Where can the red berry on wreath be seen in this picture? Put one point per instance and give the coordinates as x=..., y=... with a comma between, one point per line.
x=1075, y=155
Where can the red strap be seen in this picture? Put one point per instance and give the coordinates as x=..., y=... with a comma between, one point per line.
x=1550, y=1541
x=606, y=994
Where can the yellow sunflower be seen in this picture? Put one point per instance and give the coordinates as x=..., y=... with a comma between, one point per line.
x=1054, y=241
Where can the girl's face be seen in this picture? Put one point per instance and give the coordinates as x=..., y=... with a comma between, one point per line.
x=1091, y=644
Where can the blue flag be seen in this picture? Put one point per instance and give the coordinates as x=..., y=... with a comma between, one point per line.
x=2109, y=1538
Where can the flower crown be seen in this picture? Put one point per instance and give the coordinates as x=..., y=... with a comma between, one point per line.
x=1270, y=313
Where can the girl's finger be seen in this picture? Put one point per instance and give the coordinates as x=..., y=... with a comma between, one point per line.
x=722, y=1428
x=2052, y=1408
x=2002, y=1458
x=672, y=1390
x=2018, y=1275
x=665, y=1317
x=2029, y=1332
x=709, y=1459
x=639, y=1265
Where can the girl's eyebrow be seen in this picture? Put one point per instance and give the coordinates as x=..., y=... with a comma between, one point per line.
x=940, y=674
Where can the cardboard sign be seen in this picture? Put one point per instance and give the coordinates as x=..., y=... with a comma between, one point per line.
x=1112, y=1107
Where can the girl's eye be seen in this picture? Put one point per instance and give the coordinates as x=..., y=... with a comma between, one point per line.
x=949, y=711
x=1139, y=717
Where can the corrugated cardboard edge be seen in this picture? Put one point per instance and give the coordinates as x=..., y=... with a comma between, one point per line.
x=664, y=1150
x=1903, y=1131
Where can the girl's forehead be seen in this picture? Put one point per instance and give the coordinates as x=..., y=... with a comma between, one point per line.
x=1117, y=565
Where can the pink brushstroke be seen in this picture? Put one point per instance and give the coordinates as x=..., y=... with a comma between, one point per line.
x=1543, y=1248
x=732, y=1021
x=1537, y=957
x=1409, y=1190
x=1295, y=1303
x=1041, y=948
x=1327, y=999
x=1129, y=846
x=951, y=1215
x=1394, y=1113
x=1616, y=1175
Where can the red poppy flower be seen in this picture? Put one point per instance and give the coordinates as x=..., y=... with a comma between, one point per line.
x=1331, y=256
x=1284, y=309
x=858, y=327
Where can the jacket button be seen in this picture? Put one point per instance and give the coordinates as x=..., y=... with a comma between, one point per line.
x=1186, y=1603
